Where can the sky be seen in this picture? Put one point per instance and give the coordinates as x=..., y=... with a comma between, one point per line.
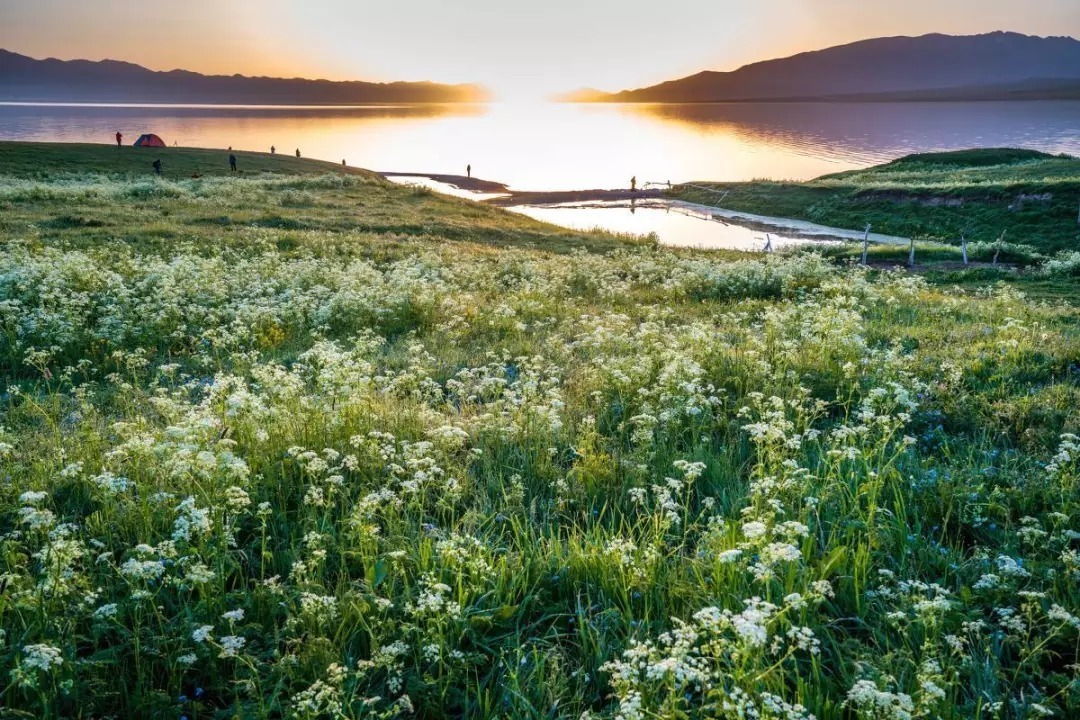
x=518, y=49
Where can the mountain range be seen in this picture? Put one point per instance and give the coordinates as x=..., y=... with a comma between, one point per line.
x=25, y=79
x=992, y=66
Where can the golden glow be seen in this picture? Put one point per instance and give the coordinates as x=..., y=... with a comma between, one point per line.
x=520, y=50
x=551, y=146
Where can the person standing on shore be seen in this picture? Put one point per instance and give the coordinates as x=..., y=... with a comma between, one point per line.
x=119, y=138
x=468, y=170
x=232, y=162
x=633, y=184
x=273, y=150
x=157, y=166
x=297, y=152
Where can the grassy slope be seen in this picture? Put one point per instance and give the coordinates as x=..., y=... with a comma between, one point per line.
x=44, y=160
x=931, y=196
x=148, y=211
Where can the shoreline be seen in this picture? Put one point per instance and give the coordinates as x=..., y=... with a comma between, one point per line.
x=765, y=222
x=508, y=198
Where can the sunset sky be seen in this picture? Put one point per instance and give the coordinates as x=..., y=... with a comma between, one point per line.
x=516, y=48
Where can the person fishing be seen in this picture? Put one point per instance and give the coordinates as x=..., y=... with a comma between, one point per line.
x=157, y=166
x=119, y=138
x=232, y=162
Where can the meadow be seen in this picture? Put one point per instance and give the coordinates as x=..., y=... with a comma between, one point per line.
x=311, y=445
x=1032, y=197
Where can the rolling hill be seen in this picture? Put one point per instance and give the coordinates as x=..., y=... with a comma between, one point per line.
x=25, y=79
x=993, y=66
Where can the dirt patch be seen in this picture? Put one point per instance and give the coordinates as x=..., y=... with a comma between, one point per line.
x=1039, y=198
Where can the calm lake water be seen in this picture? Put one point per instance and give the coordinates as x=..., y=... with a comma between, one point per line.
x=551, y=146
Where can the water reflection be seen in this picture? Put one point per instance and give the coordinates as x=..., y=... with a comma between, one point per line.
x=862, y=132
x=549, y=146
x=672, y=225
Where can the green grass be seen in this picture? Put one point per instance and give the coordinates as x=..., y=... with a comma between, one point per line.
x=976, y=193
x=48, y=160
x=90, y=194
x=361, y=451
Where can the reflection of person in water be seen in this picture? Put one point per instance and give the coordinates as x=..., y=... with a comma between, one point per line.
x=633, y=205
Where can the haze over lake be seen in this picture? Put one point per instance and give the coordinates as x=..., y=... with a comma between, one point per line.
x=553, y=146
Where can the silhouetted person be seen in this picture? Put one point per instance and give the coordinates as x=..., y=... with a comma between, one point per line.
x=157, y=166
x=633, y=184
x=343, y=162
x=297, y=152
x=273, y=150
x=232, y=162
x=468, y=170
x=119, y=138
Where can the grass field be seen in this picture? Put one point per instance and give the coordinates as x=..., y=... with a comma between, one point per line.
x=45, y=160
x=89, y=194
x=1033, y=197
x=313, y=445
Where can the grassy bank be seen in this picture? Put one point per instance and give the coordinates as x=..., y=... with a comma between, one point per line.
x=87, y=195
x=45, y=160
x=1033, y=197
x=317, y=446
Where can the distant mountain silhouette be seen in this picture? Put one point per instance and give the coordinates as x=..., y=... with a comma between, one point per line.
x=993, y=66
x=24, y=79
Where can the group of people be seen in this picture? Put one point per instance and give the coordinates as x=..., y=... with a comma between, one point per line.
x=157, y=165
x=273, y=151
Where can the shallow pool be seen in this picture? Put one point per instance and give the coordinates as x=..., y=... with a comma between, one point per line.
x=675, y=225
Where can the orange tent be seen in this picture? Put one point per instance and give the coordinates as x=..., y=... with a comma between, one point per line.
x=150, y=140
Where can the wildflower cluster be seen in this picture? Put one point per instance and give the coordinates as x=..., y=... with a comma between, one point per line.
x=341, y=473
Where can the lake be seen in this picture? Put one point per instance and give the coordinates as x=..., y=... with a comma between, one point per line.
x=552, y=146
x=549, y=146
